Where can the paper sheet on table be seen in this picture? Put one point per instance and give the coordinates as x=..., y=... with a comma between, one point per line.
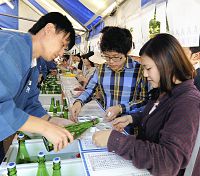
x=98, y=163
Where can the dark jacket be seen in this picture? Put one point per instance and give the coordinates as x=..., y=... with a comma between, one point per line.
x=165, y=143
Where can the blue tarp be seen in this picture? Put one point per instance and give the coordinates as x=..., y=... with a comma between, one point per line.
x=78, y=11
x=97, y=29
x=38, y=6
x=145, y=3
x=9, y=22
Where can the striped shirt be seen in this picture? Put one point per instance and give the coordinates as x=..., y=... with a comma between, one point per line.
x=127, y=87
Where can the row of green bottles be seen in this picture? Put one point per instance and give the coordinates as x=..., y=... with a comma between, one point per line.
x=50, y=86
x=42, y=170
x=56, y=109
x=75, y=129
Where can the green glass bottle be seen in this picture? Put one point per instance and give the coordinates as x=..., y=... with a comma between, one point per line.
x=22, y=154
x=55, y=111
x=52, y=104
x=11, y=168
x=26, y=137
x=56, y=167
x=43, y=90
x=42, y=170
x=76, y=129
x=65, y=113
x=58, y=106
x=65, y=109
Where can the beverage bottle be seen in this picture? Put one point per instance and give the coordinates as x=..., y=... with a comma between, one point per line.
x=58, y=106
x=42, y=170
x=55, y=111
x=11, y=168
x=43, y=90
x=22, y=154
x=76, y=129
x=65, y=113
x=25, y=135
x=52, y=104
x=56, y=167
x=65, y=109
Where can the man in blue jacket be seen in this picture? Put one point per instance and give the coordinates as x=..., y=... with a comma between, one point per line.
x=19, y=105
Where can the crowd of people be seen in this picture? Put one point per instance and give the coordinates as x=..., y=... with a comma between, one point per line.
x=159, y=95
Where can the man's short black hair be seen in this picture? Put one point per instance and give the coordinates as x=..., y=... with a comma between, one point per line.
x=116, y=39
x=104, y=29
x=61, y=23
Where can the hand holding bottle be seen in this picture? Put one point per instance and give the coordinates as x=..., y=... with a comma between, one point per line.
x=58, y=136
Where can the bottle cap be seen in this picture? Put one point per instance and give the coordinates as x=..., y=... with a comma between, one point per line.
x=20, y=135
x=11, y=165
x=41, y=154
x=56, y=160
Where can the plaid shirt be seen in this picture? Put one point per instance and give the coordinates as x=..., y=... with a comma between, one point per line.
x=127, y=87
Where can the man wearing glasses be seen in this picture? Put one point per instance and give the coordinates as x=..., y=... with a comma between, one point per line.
x=120, y=79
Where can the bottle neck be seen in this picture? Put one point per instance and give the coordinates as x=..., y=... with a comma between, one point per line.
x=52, y=102
x=12, y=172
x=21, y=143
x=56, y=166
x=41, y=161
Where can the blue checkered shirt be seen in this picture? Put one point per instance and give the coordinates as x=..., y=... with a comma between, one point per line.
x=127, y=87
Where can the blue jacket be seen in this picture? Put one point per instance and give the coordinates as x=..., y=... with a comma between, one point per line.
x=18, y=83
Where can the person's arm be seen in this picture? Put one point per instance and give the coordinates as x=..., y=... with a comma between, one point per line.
x=13, y=119
x=175, y=145
x=85, y=97
x=90, y=89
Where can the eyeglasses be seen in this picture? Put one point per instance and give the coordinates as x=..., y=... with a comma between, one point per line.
x=114, y=59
